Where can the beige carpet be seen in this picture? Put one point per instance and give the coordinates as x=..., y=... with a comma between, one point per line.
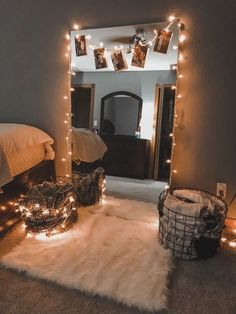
x=142, y=190
x=113, y=251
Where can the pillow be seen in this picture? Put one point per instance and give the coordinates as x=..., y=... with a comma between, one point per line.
x=15, y=137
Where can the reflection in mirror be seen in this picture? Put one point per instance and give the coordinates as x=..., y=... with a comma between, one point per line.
x=82, y=106
x=163, y=139
x=130, y=123
x=115, y=108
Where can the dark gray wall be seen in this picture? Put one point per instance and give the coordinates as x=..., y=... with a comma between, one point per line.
x=33, y=73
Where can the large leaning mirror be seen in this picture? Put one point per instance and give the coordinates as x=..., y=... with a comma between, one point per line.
x=123, y=98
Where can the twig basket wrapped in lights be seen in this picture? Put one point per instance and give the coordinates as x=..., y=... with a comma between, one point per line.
x=191, y=222
x=89, y=187
x=49, y=208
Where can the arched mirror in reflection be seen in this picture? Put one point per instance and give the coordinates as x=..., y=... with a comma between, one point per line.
x=121, y=114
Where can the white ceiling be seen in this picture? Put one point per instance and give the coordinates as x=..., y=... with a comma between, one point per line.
x=116, y=36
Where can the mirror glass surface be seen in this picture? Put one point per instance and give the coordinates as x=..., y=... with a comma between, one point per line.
x=126, y=106
x=120, y=114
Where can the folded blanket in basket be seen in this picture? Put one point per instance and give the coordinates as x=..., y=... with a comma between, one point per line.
x=181, y=207
x=187, y=215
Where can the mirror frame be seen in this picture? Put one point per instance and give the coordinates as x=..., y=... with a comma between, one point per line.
x=103, y=99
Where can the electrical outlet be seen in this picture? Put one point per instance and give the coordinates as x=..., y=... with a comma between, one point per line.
x=95, y=123
x=221, y=190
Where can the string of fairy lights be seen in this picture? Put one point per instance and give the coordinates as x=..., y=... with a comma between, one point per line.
x=178, y=95
x=177, y=87
x=228, y=238
x=175, y=67
x=182, y=37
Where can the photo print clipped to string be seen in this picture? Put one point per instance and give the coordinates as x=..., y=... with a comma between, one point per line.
x=100, y=58
x=80, y=45
x=142, y=47
x=118, y=60
x=139, y=55
x=163, y=41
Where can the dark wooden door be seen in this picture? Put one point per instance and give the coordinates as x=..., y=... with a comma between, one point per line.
x=165, y=147
x=82, y=107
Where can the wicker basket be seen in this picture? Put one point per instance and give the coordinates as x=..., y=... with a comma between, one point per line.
x=89, y=187
x=189, y=236
x=49, y=208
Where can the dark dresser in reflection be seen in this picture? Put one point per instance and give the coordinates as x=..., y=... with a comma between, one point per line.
x=127, y=156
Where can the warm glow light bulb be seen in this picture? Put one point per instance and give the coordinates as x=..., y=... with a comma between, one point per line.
x=174, y=67
x=75, y=26
x=182, y=38
x=67, y=36
x=181, y=57
x=71, y=198
x=171, y=18
x=168, y=161
x=101, y=44
x=174, y=171
x=232, y=244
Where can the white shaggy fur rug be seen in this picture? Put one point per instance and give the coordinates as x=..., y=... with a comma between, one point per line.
x=112, y=251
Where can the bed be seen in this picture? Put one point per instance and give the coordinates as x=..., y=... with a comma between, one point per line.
x=22, y=147
x=88, y=150
x=26, y=157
